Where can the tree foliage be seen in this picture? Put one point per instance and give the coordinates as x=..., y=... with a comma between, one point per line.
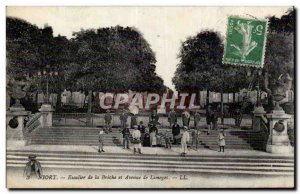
x=201, y=66
x=279, y=57
x=114, y=59
x=107, y=59
x=22, y=46
x=32, y=50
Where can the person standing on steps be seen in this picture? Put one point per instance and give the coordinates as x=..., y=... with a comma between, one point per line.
x=153, y=135
x=195, y=134
x=136, y=140
x=214, y=118
x=186, y=118
x=126, y=137
x=153, y=118
x=107, y=119
x=222, y=140
x=146, y=140
x=133, y=121
x=238, y=116
x=168, y=139
x=209, y=118
x=101, y=141
x=142, y=129
x=172, y=117
x=176, y=133
x=184, y=140
x=123, y=119
x=33, y=166
x=197, y=118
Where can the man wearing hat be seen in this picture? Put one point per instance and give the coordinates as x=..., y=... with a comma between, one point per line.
x=195, y=141
x=184, y=140
x=101, y=141
x=197, y=118
x=126, y=137
x=186, y=118
x=136, y=140
x=176, y=133
x=33, y=166
x=142, y=129
x=154, y=117
x=172, y=117
x=107, y=119
x=123, y=119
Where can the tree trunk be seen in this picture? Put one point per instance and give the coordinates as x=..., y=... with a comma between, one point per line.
x=84, y=105
x=8, y=99
x=89, y=110
x=228, y=98
x=222, y=108
x=234, y=97
x=37, y=99
x=207, y=96
x=58, y=102
x=197, y=97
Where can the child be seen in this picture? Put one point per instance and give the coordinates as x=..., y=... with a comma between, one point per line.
x=101, y=139
x=168, y=139
x=222, y=140
x=136, y=136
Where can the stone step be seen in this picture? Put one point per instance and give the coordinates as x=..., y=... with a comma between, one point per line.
x=215, y=146
x=209, y=138
x=260, y=165
x=89, y=136
x=63, y=153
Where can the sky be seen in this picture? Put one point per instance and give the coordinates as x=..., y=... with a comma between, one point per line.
x=165, y=28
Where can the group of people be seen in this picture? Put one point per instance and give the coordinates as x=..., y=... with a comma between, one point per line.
x=143, y=136
x=211, y=118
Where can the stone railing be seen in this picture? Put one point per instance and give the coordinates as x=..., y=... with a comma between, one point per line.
x=33, y=123
x=31, y=126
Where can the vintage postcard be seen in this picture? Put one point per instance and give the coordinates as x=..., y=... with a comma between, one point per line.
x=150, y=97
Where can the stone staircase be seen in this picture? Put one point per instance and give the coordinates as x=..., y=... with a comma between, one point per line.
x=235, y=138
x=226, y=164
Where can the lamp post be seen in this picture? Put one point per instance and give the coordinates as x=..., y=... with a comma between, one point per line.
x=47, y=73
x=46, y=108
x=258, y=119
x=256, y=74
x=227, y=73
x=258, y=98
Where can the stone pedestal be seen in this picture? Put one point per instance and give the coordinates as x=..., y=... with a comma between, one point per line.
x=258, y=113
x=278, y=141
x=46, y=111
x=18, y=113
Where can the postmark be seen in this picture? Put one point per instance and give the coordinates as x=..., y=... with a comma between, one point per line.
x=245, y=41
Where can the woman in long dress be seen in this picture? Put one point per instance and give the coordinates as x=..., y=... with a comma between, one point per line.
x=153, y=133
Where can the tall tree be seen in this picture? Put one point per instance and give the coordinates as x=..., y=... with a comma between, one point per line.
x=279, y=56
x=22, y=46
x=201, y=66
x=113, y=59
x=32, y=50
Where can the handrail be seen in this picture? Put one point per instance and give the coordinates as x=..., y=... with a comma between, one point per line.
x=33, y=123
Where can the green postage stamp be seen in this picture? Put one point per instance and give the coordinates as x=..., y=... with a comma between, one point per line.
x=245, y=41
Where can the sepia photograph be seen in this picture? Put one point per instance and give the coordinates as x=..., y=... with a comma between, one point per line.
x=150, y=97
